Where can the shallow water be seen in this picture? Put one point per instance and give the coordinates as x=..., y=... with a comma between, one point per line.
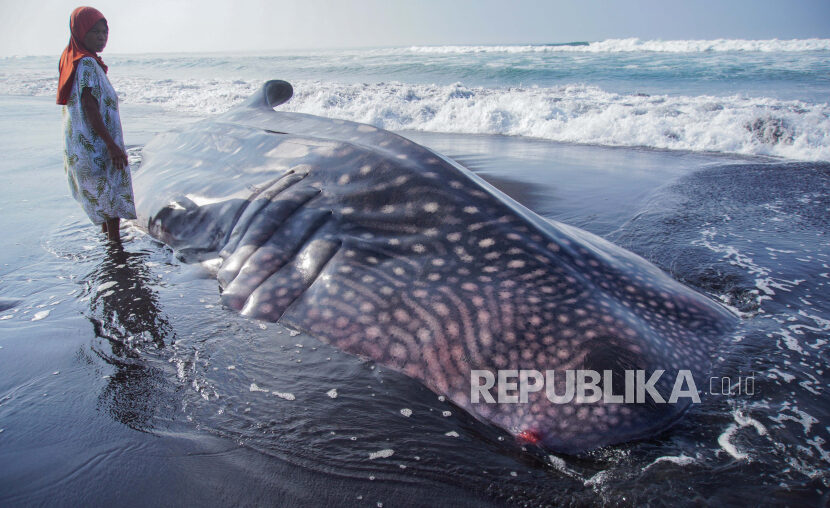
x=123, y=377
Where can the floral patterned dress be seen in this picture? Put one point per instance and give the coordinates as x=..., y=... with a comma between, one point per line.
x=103, y=191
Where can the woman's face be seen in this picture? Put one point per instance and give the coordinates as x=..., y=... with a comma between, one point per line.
x=96, y=39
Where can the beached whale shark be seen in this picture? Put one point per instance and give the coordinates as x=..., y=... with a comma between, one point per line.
x=390, y=251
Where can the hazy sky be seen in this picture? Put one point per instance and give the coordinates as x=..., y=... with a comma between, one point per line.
x=40, y=27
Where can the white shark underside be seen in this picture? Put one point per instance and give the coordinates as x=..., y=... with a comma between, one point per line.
x=388, y=250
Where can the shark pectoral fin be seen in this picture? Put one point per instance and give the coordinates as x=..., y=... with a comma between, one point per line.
x=273, y=297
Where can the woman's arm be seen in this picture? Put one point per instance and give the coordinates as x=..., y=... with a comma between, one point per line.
x=90, y=106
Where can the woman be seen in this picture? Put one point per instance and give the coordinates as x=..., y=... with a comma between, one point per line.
x=95, y=159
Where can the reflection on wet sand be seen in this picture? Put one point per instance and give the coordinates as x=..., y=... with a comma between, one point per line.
x=124, y=310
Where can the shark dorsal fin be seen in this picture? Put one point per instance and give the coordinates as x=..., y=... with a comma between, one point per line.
x=272, y=94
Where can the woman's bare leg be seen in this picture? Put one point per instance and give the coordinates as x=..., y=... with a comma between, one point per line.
x=113, y=230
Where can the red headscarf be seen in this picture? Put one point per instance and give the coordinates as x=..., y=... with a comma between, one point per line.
x=80, y=22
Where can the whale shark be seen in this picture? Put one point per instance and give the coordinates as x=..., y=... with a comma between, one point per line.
x=392, y=252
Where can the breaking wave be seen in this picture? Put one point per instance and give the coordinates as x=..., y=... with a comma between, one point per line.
x=636, y=45
x=571, y=113
x=583, y=114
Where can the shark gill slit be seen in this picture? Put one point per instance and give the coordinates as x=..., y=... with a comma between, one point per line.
x=272, y=299
x=257, y=191
x=262, y=227
x=253, y=205
x=276, y=254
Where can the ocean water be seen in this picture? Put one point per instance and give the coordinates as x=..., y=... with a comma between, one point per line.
x=731, y=96
x=122, y=377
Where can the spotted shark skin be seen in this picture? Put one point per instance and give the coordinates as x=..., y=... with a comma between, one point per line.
x=389, y=251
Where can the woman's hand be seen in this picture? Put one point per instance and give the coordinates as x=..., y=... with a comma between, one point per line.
x=90, y=106
x=118, y=156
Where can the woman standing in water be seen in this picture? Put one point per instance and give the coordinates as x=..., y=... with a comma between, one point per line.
x=95, y=158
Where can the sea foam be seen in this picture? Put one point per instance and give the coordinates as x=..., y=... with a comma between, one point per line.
x=582, y=114
x=572, y=113
x=636, y=45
